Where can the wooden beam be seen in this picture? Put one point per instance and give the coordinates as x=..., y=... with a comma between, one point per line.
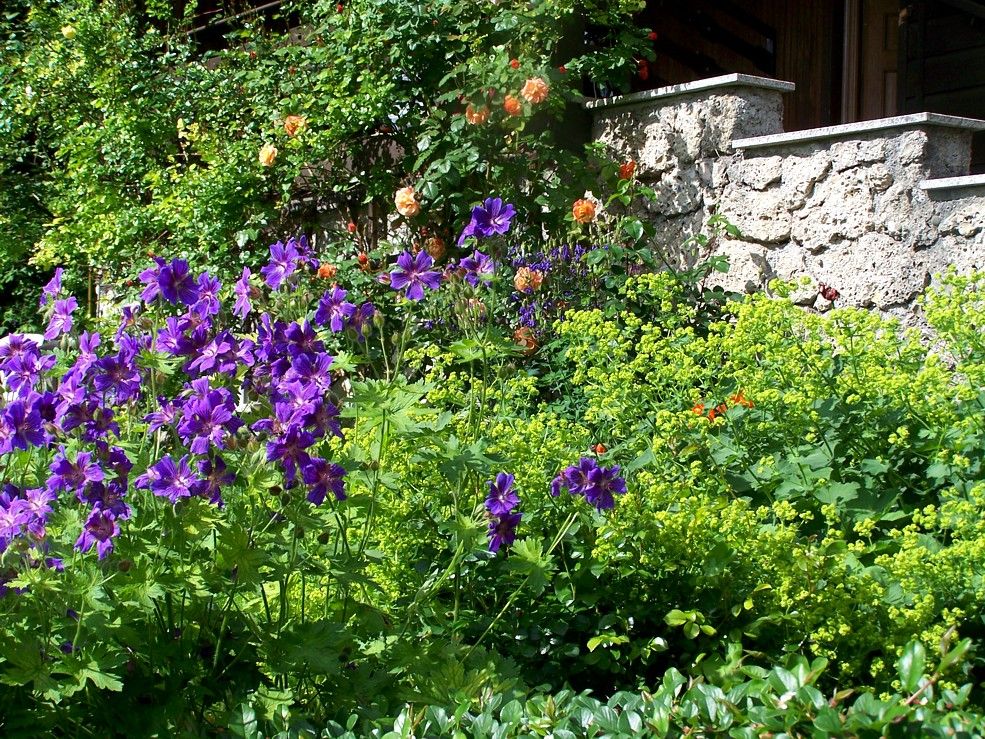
x=851, y=61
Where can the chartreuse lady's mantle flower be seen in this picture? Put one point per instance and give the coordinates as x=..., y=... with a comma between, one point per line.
x=413, y=274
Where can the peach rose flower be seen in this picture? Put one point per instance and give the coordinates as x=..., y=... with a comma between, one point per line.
x=475, y=116
x=583, y=210
x=527, y=280
x=268, y=153
x=525, y=338
x=627, y=170
x=512, y=106
x=406, y=201
x=327, y=271
x=535, y=90
x=295, y=124
x=435, y=247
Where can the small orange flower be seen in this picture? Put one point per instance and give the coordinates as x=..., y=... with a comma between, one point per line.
x=515, y=63
x=583, y=210
x=698, y=409
x=740, y=399
x=327, y=271
x=512, y=106
x=476, y=116
x=627, y=170
x=600, y=448
x=718, y=410
x=525, y=338
x=652, y=35
x=535, y=90
x=268, y=153
x=351, y=227
x=435, y=247
x=295, y=124
x=363, y=260
x=527, y=280
x=562, y=69
x=406, y=201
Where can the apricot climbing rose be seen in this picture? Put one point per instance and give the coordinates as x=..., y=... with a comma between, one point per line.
x=525, y=338
x=406, y=202
x=512, y=106
x=268, y=153
x=327, y=271
x=583, y=210
x=527, y=280
x=435, y=246
x=475, y=116
x=295, y=124
x=535, y=90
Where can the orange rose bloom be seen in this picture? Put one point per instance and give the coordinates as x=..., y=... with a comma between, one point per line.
x=527, y=280
x=435, y=246
x=525, y=338
x=268, y=153
x=406, y=201
x=295, y=124
x=535, y=90
x=627, y=170
x=475, y=116
x=512, y=106
x=327, y=271
x=583, y=210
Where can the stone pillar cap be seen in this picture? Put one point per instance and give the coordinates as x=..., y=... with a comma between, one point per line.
x=711, y=84
x=854, y=130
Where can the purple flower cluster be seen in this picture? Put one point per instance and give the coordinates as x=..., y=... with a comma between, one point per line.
x=501, y=504
x=597, y=484
x=565, y=265
x=281, y=377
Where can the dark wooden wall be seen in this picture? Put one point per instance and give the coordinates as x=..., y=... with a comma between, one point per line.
x=796, y=41
x=942, y=62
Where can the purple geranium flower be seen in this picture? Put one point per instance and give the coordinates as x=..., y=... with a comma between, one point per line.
x=478, y=267
x=413, y=273
x=502, y=498
x=243, y=293
x=502, y=530
x=362, y=318
x=169, y=479
x=61, y=319
x=99, y=529
x=290, y=450
x=208, y=296
x=214, y=476
x=173, y=282
x=283, y=262
x=73, y=476
x=334, y=310
x=323, y=476
x=488, y=219
x=53, y=288
x=597, y=484
x=21, y=426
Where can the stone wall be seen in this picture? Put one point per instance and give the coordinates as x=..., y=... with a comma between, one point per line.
x=873, y=209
